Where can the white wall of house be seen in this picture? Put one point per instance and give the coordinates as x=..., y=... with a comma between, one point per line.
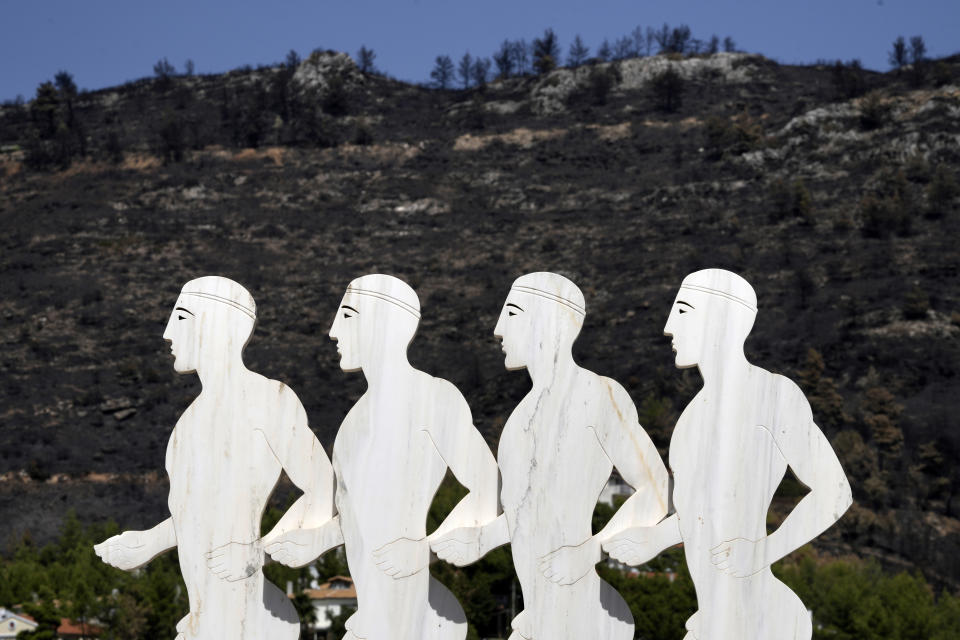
x=11, y=624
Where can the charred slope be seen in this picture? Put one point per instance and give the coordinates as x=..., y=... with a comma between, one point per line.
x=832, y=191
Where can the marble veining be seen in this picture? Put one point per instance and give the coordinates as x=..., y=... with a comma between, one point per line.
x=224, y=458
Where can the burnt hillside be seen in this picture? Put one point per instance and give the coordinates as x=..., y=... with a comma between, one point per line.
x=833, y=190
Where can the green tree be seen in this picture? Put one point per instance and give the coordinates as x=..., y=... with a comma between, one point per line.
x=365, y=58
x=164, y=72
x=292, y=61
x=480, y=71
x=65, y=85
x=880, y=415
x=713, y=46
x=623, y=48
x=546, y=52
x=503, y=58
x=854, y=600
x=442, y=73
x=47, y=616
x=676, y=40
x=825, y=400
x=305, y=611
x=45, y=110
x=605, y=51
x=918, y=60
x=128, y=620
x=465, y=69
x=898, y=54
x=578, y=52
x=520, y=55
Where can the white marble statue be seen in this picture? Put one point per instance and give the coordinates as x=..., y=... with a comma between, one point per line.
x=557, y=451
x=224, y=459
x=729, y=452
x=389, y=457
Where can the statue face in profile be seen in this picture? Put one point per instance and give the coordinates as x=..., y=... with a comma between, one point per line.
x=688, y=327
x=376, y=320
x=347, y=332
x=183, y=333
x=209, y=329
x=711, y=317
x=514, y=332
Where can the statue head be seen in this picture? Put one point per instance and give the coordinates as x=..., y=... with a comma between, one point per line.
x=541, y=318
x=377, y=317
x=712, y=314
x=211, y=322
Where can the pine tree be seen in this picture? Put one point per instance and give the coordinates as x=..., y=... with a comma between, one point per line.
x=292, y=60
x=503, y=58
x=520, y=54
x=365, y=58
x=480, y=71
x=443, y=71
x=546, y=52
x=898, y=54
x=465, y=69
x=578, y=52
x=605, y=52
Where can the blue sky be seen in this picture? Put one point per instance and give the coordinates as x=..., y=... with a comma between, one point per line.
x=106, y=42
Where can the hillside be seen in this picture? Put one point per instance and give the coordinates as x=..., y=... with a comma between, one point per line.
x=833, y=190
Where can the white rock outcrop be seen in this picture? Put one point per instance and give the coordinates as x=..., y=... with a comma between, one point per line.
x=551, y=93
x=316, y=71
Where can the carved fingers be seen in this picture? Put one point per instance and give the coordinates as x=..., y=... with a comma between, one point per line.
x=459, y=546
x=739, y=557
x=235, y=560
x=294, y=548
x=568, y=564
x=126, y=551
x=403, y=557
x=633, y=546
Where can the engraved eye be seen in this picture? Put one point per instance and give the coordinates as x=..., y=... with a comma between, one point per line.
x=511, y=313
x=682, y=310
x=181, y=317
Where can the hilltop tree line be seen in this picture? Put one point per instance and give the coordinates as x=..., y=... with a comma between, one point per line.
x=276, y=111
x=517, y=58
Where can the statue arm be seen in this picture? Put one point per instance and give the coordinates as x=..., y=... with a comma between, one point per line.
x=306, y=464
x=634, y=455
x=132, y=549
x=813, y=460
x=467, y=455
x=163, y=537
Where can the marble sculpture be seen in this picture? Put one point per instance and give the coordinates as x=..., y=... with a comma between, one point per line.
x=556, y=452
x=729, y=451
x=389, y=457
x=224, y=459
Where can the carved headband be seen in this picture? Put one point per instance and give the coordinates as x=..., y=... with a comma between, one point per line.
x=406, y=306
x=550, y=296
x=227, y=301
x=722, y=294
